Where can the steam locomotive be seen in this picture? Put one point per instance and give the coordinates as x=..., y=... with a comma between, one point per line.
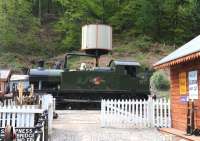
x=85, y=87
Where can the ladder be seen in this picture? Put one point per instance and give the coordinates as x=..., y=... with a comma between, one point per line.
x=190, y=117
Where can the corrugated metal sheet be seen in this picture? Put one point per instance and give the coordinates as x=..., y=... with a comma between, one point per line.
x=4, y=74
x=96, y=36
x=187, y=49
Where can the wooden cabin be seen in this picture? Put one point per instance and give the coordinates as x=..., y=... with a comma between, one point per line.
x=4, y=80
x=184, y=66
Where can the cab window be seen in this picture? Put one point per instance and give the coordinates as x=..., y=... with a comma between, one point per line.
x=130, y=70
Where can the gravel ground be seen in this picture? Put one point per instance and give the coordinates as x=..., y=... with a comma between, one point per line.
x=85, y=126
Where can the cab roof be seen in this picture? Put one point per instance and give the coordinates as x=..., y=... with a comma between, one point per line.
x=125, y=63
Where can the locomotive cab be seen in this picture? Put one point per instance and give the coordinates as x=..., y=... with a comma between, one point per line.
x=125, y=67
x=130, y=68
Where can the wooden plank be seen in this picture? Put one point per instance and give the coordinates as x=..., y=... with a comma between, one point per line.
x=157, y=113
x=140, y=114
x=1, y=116
x=165, y=113
x=179, y=133
x=13, y=120
x=153, y=112
x=145, y=114
x=32, y=119
x=8, y=118
x=161, y=113
x=5, y=110
x=4, y=120
x=136, y=112
x=169, y=114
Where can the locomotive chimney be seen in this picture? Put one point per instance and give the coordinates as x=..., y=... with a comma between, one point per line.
x=40, y=64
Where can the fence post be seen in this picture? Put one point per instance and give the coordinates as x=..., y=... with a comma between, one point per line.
x=103, y=113
x=115, y=111
x=149, y=111
x=145, y=124
x=161, y=113
x=140, y=113
x=165, y=112
x=50, y=113
x=129, y=111
x=54, y=104
x=118, y=112
x=169, y=113
x=136, y=112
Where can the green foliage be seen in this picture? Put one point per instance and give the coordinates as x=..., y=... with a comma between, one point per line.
x=165, y=21
x=18, y=27
x=143, y=43
x=46, y=28
x=160, y=81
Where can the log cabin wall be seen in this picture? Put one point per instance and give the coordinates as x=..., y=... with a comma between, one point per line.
x=178, y=108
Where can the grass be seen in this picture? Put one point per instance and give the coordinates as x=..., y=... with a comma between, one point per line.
x=164, y=93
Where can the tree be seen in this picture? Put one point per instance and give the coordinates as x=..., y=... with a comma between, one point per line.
x=18, y=27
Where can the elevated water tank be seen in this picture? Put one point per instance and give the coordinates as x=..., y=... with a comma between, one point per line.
x=96, y=39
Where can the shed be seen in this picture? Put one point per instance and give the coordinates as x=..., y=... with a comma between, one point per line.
x=4, y=79
x=16, y=78
x=184, y=66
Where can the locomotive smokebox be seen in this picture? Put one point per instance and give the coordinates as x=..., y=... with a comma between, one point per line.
x=96, y=39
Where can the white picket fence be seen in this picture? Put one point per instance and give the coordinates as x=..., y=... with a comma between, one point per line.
x=7, y=102
x=24, y=116
x=18, y=116
x=48, y=103
x=135, y=113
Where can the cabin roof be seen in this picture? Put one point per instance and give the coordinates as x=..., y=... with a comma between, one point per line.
x=4, y=74
x=18, y=77
x=189, y=48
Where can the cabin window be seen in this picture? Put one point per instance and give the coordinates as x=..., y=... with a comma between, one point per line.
x=130, y=70
x=112, y=66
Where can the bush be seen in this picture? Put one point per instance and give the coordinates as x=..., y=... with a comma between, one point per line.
x=143, y=43
x=160, y=81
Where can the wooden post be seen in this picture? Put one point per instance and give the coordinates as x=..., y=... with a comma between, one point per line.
x=32, y=91
x=20, y=89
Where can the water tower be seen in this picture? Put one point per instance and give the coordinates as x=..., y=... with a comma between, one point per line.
x=96, y=40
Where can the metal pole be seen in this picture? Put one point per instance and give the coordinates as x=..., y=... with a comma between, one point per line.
x=40, y=85
x=39, y=10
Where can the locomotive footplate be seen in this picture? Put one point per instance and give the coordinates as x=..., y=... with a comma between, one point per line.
x=82, y=100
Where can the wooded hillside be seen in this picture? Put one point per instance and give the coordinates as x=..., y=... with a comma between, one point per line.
x=34, y=29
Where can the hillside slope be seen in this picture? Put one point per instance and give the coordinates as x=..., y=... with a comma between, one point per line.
x=145, y=52
x=142, y=30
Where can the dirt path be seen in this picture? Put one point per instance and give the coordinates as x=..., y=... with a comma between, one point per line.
x=85, y=126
